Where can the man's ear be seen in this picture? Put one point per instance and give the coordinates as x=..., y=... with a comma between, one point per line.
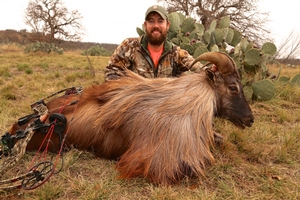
x=210, y=74
x=168, y=25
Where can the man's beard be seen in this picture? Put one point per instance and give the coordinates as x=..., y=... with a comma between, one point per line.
x=156, y=40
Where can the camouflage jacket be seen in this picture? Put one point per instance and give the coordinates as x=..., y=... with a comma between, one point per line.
x=133, y=54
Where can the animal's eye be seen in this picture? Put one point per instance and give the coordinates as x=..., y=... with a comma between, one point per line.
x=233, y=88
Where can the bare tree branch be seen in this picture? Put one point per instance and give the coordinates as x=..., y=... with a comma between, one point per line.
x=289, y=48
x=244, y=15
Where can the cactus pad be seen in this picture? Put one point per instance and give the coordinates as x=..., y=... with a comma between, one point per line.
x=252, y=57
x=199, y=50
x=189, y=48
x=248, y=92
x=200, y=28
x=140, y=31
x=229, y=36
x=269, y=48
x=212, y=26
x=296, y=80
x=284, y=79
x=264, y=89
x=219, y=35
x=224, y=22
x=175, y=21
x=188, y=25
x=237, y=36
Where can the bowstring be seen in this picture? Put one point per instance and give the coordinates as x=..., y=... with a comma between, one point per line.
x=50, y=131
x=65, y=136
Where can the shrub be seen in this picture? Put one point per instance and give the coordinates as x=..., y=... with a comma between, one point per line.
x=43, y=47
x=96, y=51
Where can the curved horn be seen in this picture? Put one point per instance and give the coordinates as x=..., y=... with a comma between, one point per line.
x=224, y=63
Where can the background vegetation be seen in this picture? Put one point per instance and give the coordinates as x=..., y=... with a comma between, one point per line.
x=261, y=162
x=23, y=37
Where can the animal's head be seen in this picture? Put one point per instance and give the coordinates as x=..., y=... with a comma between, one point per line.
x=226, y=81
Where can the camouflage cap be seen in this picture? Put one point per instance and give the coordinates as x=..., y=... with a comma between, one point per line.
x=159, y=9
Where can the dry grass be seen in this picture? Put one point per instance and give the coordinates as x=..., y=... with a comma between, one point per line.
x=285, y=70
x=7, y=48
x=261, y=162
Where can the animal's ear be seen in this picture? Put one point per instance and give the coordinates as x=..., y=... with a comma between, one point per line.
x=210, y=74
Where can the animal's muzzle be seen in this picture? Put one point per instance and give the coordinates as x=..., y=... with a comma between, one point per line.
x=248, y=121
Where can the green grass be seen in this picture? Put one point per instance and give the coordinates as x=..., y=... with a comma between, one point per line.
x=261, y=162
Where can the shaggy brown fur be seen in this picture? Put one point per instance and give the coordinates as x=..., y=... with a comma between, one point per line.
x=160, y=129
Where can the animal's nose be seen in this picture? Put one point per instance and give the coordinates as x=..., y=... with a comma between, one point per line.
x=250, y=121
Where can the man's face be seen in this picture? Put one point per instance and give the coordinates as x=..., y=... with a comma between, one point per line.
x=156, y=28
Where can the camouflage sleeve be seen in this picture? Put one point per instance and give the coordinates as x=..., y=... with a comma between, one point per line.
x=118, y=61
x=185, y=60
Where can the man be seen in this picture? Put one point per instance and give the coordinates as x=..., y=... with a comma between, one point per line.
x=151, y=55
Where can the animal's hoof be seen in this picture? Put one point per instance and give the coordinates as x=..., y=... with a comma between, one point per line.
x=218, y=138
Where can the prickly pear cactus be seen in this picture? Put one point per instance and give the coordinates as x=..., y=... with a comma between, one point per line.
x=220, y=36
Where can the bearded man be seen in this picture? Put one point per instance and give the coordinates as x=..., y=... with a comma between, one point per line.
x=152, y=55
